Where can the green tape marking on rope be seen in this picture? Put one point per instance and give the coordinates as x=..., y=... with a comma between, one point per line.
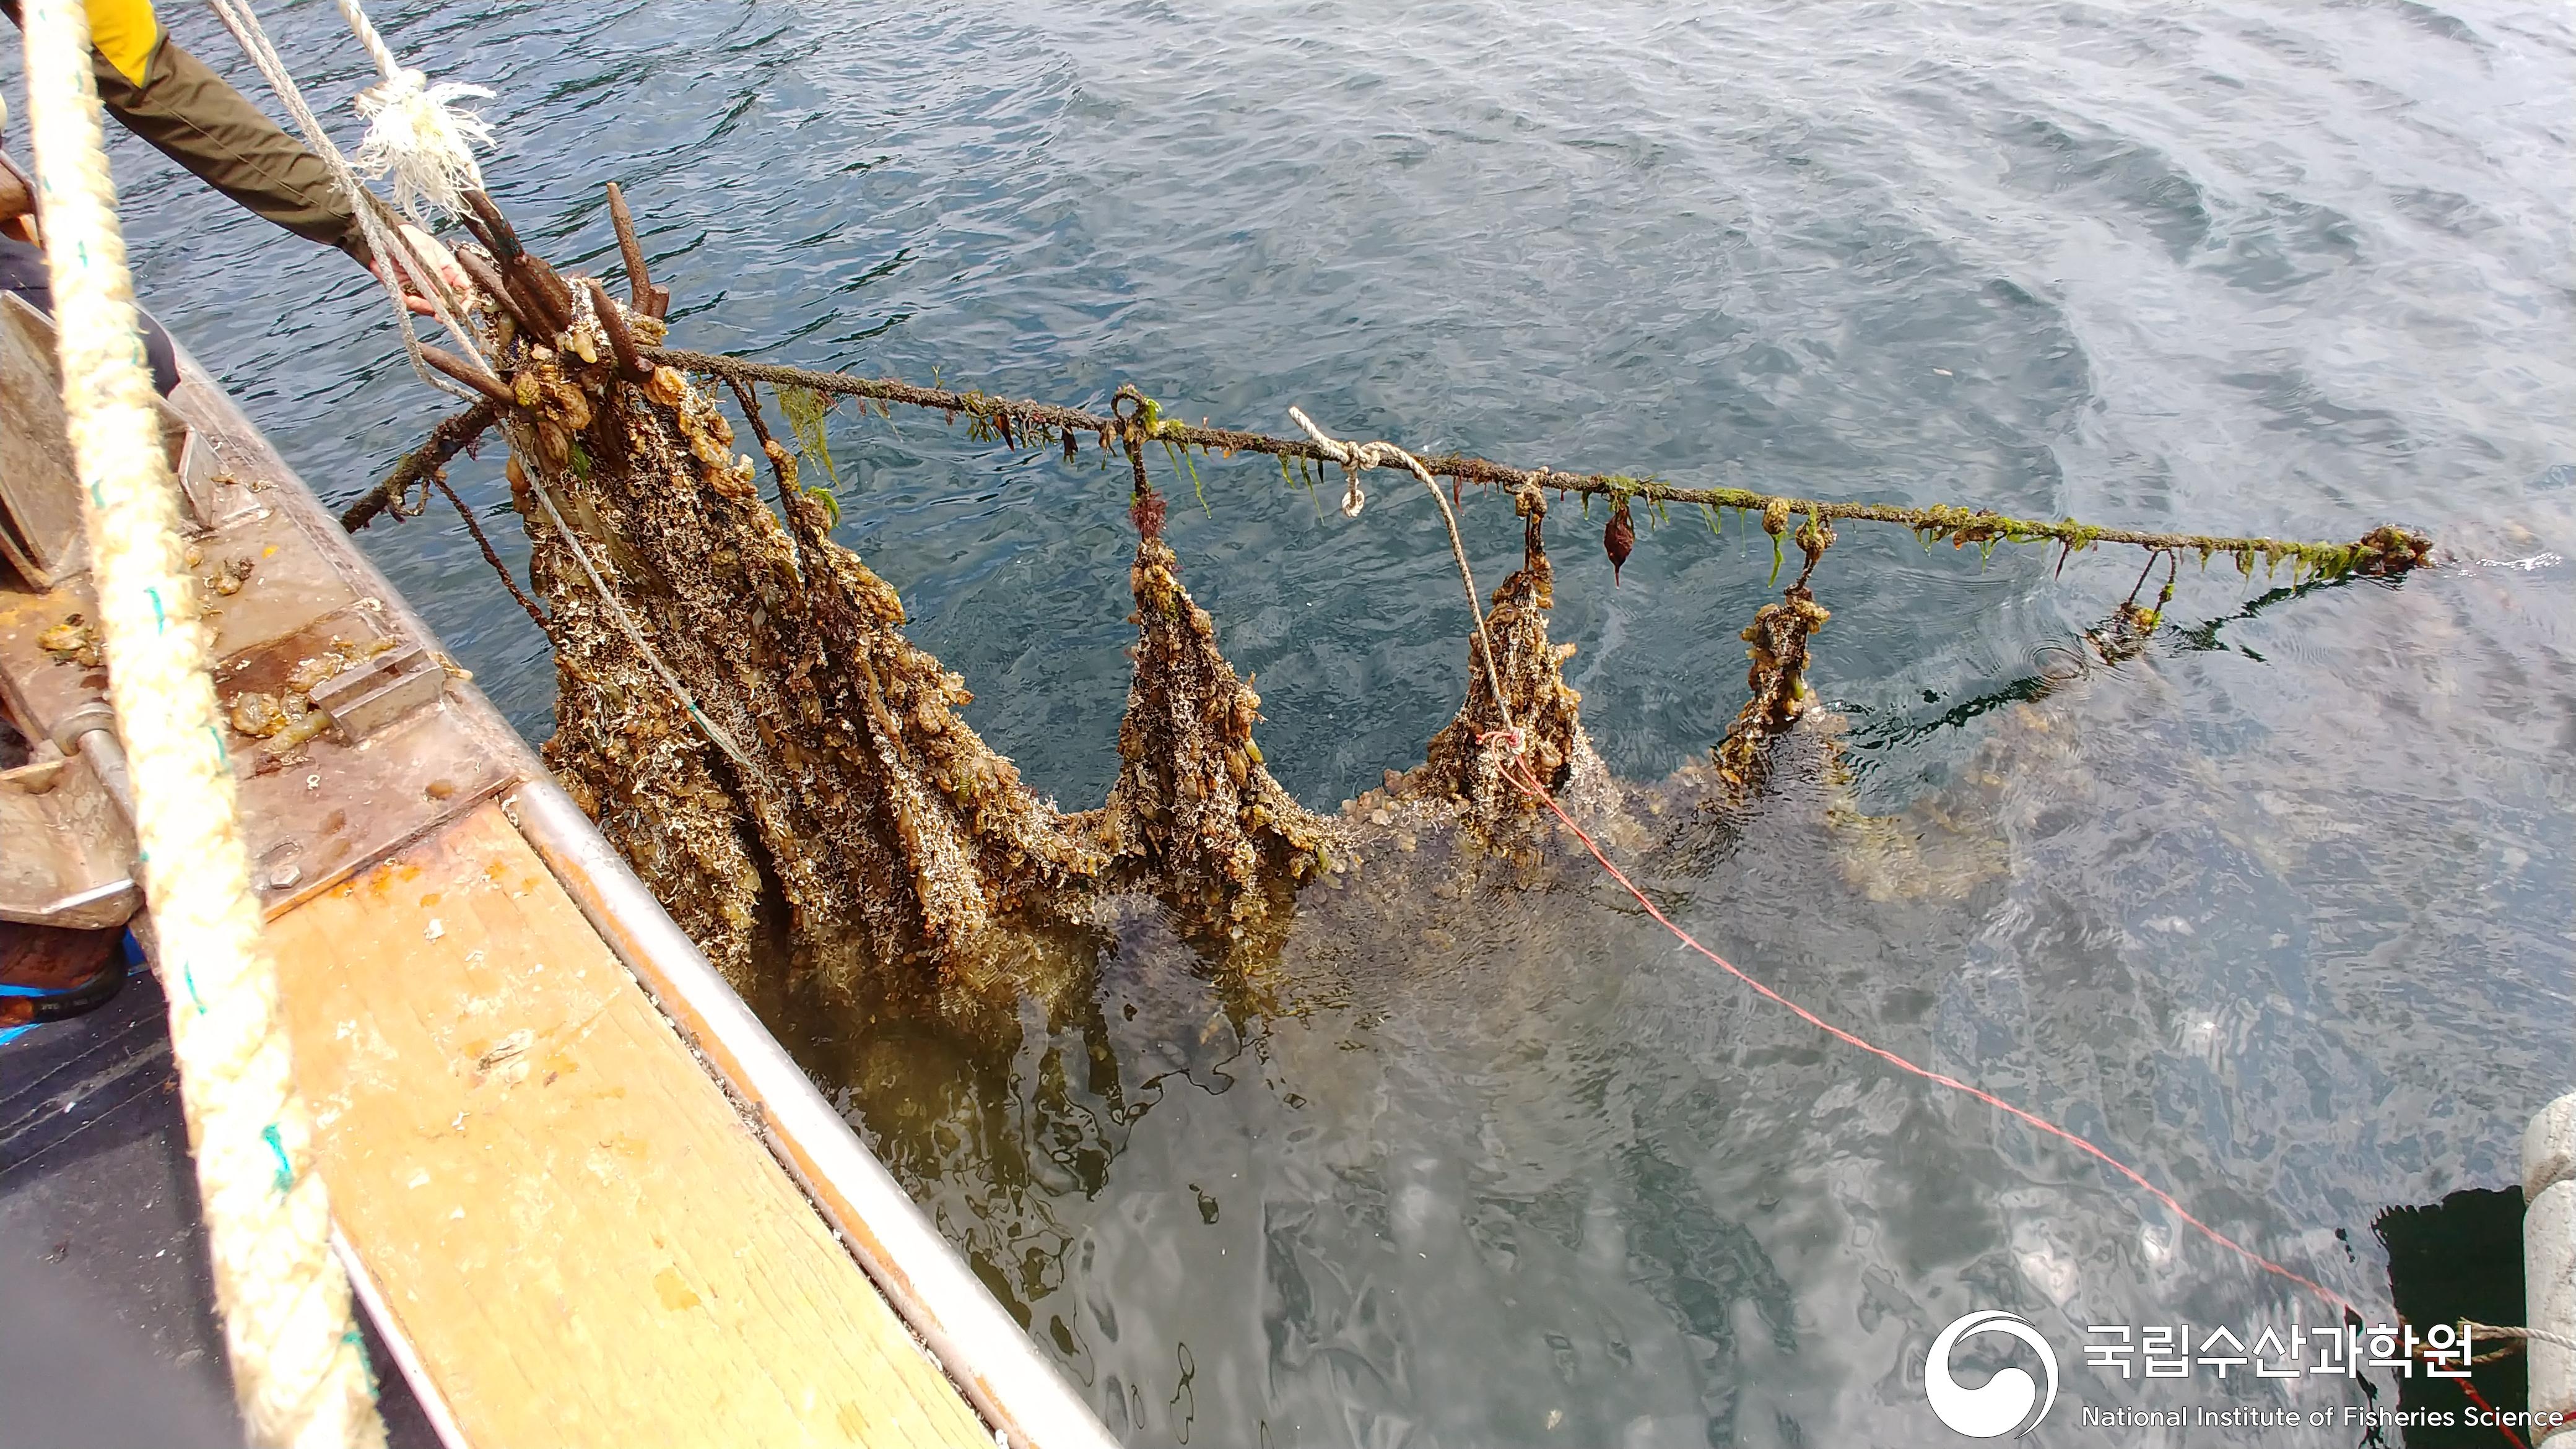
x=358, y=1341
x=277, y=1143
x=222, y=756
x=188, y=978
x=160, y=620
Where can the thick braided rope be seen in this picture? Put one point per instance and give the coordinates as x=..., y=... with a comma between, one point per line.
x=388, y=64
x=298, y=1370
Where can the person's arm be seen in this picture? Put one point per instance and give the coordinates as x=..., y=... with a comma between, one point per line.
x=169, y=98
x=192, y=116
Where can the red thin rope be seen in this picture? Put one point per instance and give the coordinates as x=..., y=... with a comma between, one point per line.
x=1520, y=775
x=2501, y=1426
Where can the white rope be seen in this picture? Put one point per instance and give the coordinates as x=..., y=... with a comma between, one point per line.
x=634, y=635
x=2531, y=1335
x=298, y=1371
x=384, y=243
x=415, y=133
x=1353, y=457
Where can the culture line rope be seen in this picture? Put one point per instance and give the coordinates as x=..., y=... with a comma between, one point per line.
x=298, y=1370
x=1024, y=423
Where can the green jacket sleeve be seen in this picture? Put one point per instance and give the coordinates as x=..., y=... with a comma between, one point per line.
x=191, y=115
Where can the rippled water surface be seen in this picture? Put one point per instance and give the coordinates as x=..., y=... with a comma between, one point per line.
x=2278, y=910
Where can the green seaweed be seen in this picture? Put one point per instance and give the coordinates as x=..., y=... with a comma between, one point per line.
x=808, y=413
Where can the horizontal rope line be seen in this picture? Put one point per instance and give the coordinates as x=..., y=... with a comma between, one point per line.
x=1971, y=525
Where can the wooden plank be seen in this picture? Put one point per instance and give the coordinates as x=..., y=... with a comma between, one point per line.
x=578, y=1233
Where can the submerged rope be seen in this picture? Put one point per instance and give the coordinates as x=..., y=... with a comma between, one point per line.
x=1530, y=785
x=297, y=1368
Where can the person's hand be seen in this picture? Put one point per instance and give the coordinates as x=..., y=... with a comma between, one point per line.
x=416, y=295
x=18, y=203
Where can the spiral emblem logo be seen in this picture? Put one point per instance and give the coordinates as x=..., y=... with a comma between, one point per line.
x=2008, y=1403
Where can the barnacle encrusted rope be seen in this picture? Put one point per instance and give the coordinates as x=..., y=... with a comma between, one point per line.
x=1021, y=422
x=296, y=1363
x=2386, y=549
x=474, y=379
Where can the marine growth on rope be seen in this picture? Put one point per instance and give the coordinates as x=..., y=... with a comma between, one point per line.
x=739, y=707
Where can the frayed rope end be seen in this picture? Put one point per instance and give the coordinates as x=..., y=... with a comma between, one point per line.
x=417, y=135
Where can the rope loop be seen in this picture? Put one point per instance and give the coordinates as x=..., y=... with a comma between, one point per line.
x=1355, y=456
x=1139, y=416
x=1351, y=460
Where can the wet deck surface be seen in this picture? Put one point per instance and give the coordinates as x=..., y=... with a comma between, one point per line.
x=579, y=1234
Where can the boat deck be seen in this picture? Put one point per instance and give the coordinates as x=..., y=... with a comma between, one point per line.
x=586, y=1199
x=580, y=1239
x=111, y=1337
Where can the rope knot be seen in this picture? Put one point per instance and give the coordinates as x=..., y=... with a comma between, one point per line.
x=402, y=82
x=1352, y=458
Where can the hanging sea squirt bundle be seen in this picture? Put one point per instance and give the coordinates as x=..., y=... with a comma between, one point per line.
x=740, y=710
x=1195, y=812
x=737, y=704
x=1482, y=762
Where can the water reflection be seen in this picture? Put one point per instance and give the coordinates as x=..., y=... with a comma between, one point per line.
x=2283, y=920
x=1479, y=1157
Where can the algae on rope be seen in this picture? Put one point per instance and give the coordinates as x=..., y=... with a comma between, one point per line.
x=740, y=710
